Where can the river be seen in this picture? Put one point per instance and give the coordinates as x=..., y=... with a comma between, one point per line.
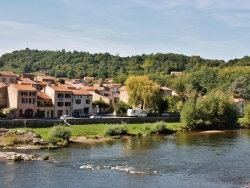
x=184, y=159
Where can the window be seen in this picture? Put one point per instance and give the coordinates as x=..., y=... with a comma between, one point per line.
x=29, y=100
x=67, y=104
x=78, y=101
x=31, y=93
x=59, y=103
x=23, y=100
x=87, y=101
x=67, y=95
x=24, y=93
x=59, y=95
x=4, y=80
x=12, y=80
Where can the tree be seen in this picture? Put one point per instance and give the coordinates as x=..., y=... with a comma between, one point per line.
x=217, y=110
x=142, y=92
x=121, y=107
x=241, y=88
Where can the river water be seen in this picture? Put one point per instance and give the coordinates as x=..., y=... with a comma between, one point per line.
x=179, y=160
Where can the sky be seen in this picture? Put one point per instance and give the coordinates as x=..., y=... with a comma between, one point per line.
x=212, y=29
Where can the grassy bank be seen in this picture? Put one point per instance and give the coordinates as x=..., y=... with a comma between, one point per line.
x=99, y=129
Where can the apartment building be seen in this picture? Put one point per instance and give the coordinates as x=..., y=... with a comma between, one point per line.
x=23, y=98
x=45, y=107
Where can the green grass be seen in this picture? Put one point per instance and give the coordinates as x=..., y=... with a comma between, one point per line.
x=99, y=129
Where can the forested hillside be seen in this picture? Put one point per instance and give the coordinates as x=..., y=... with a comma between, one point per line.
x=200, y=74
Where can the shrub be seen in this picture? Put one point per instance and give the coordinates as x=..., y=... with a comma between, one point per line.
x=247, y=115
x=45, y=157
x=59, y=135
x=159, y=127
x=11, y=140
x=115, y=130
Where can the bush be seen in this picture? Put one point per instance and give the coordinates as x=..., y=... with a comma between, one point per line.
x=215, y=111
x=59, y=135
x=247, y=115
x=45, y=157
x=159, y=127
x=115, y=130
x=11, y=140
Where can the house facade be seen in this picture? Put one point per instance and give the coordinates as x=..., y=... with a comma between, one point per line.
x=23, y=98
x=82, y=102
x=61, y=97
x=8, y=77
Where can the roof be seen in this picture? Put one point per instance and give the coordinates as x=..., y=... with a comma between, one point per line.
x=165, y=88
x=92, y=88
x=26, y=81
x=80, y=92
x=46, y=77
x=62, y=88
x=42, y=95
x=23, y=87
x=7, y=73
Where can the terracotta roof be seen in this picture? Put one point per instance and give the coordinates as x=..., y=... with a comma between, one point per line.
x=92, y=88
x=46, y=77
x=42, y=95
x=23, y=87
x=165, y=88
x=80, y=92
x=239, y=100
x=62, y=88
x=7, y=73
x=26, y=81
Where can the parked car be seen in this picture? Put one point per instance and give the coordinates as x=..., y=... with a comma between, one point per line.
x=81, y=114
x=95, y=116
x=165, y=114
x=67, y=117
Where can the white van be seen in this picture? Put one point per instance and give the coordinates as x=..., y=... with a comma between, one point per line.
x=136, y=113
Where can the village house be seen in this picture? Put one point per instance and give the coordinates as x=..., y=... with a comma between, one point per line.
x=240, y=105
x=8, y=77
x=82, y=102
x=123, y=94
x=166, y=91
x=45, y=78
x=22, y=98
x=62, y=99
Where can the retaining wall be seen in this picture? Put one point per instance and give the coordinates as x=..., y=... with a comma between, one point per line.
x=40, y=123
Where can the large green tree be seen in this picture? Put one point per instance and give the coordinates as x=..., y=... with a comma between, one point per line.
x=143, y=92
x=217, y=110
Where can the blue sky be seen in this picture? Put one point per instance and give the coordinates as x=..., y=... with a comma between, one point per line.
x=213, y=29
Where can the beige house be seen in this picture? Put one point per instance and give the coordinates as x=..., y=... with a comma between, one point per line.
x=61, y=97
x=24, y=99
x=8, y=77
x=240, y=105
x=166, y=91
x=123, y=94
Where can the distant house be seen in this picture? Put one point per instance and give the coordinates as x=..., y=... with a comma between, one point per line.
x=8, y=77
x=89, y=79
x=177, y=73
x=27, y=75
x=45, y=78
x=24, y=99
x=166, y=91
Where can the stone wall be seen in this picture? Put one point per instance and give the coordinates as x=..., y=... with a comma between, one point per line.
x=32, y=123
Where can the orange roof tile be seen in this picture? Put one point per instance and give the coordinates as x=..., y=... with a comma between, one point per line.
x=23, y=87
x=80, y=92
x=7, y=73
x=42, y=95
x=165, y=88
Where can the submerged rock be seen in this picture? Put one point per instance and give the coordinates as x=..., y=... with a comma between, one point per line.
x=19, y=156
